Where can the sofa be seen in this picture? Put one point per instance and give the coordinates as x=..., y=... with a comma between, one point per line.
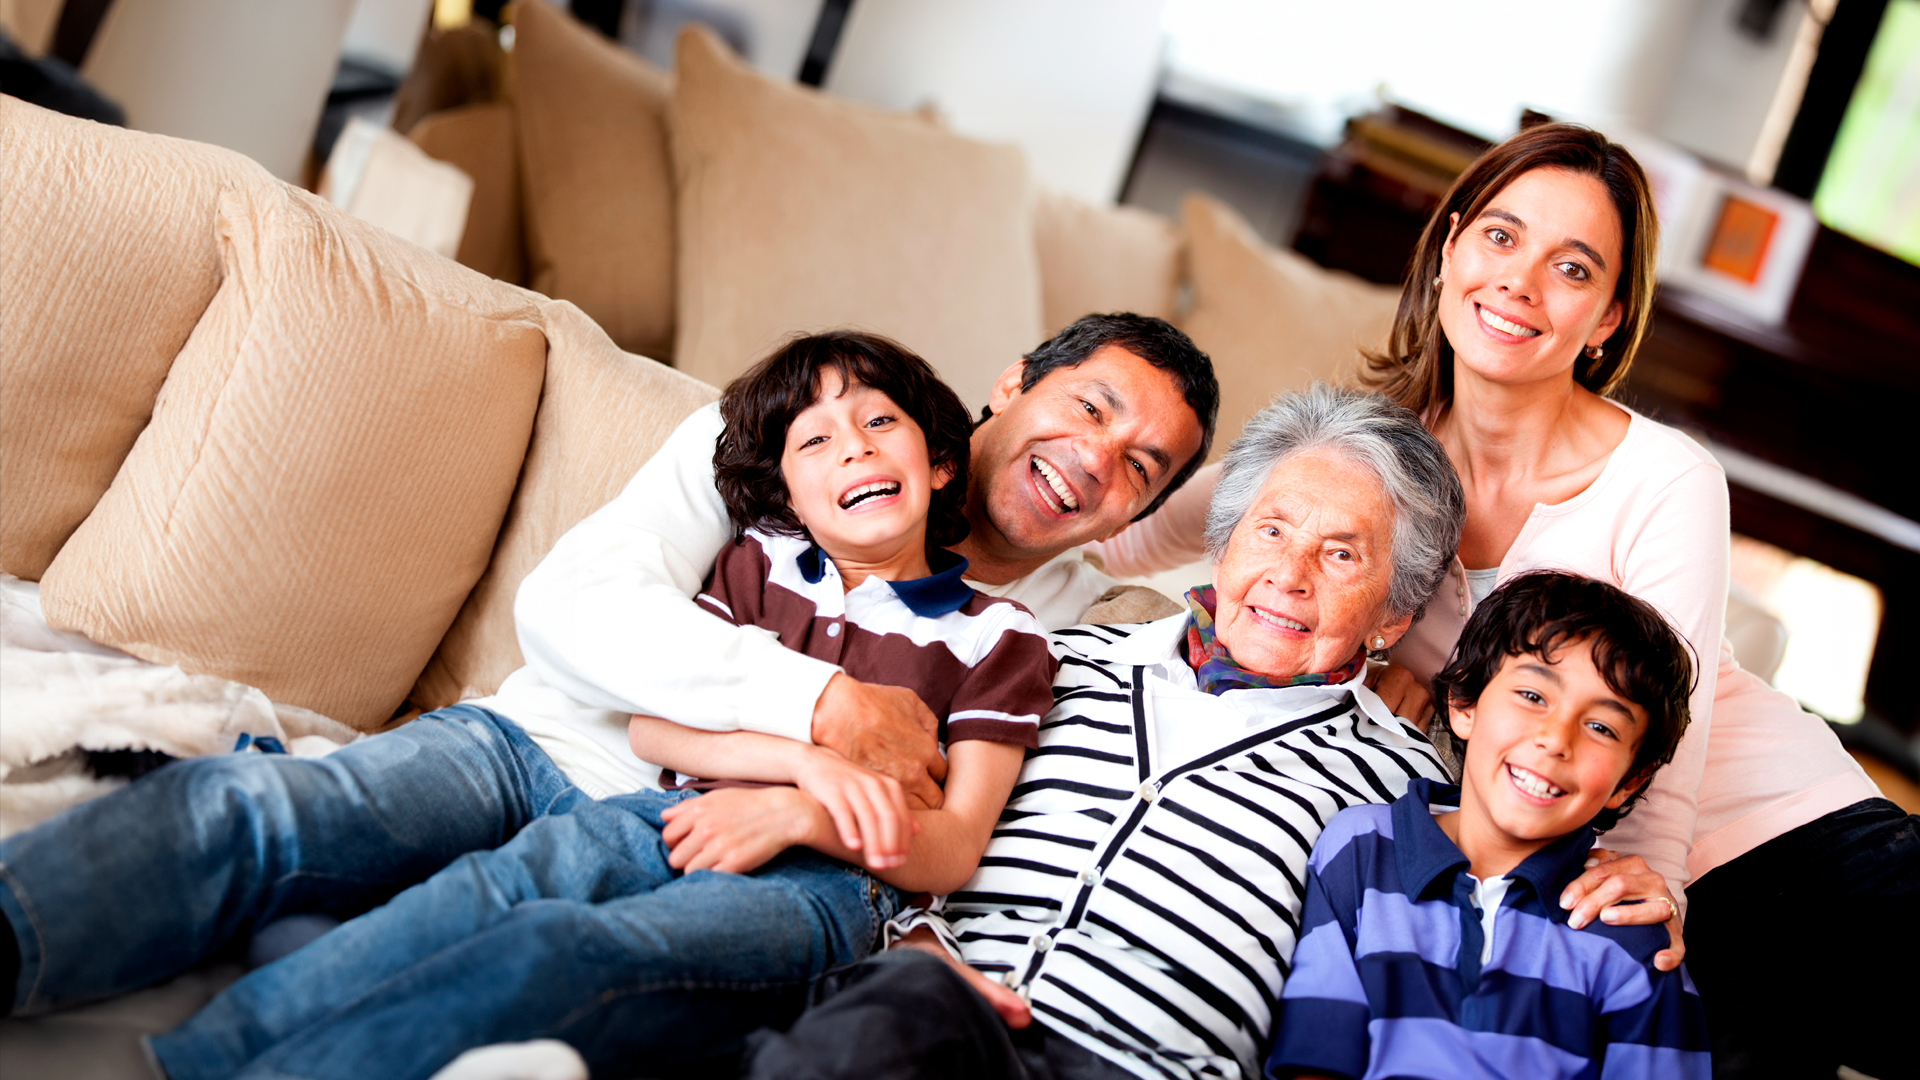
x=249, y=437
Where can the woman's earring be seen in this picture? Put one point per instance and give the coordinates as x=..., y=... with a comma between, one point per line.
x=1595, y=352
x=1379, y=643
x=1438, y=281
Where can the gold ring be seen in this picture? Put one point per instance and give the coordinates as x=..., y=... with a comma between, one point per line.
x=1672, y=908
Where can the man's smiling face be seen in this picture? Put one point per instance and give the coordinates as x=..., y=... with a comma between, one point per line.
x=1077, y=455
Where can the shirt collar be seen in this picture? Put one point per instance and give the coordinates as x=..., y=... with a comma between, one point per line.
x=939, y=593
x=1424, y=852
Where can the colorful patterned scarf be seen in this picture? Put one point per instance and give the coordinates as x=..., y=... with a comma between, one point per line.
x=1217, y=671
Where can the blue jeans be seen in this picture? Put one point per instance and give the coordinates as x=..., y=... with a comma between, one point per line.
x=577, y=929
x=136, y=887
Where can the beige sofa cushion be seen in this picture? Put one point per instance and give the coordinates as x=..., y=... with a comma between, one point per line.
x=107, y=259
x=593, y=164
x=1271, y=319
x=603, y=413
x=479, y=140
x=1104, y=259
x=327, y=467
x=801, y=212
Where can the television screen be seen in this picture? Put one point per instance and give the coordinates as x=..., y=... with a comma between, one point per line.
x=1870, y=188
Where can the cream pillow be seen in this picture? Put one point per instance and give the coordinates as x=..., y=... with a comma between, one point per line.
x=107, y=259
x=327, y=467
x=800, y=212
x=602, y=415
x=1104, y=259
x=593, y=163
x=1271, y=319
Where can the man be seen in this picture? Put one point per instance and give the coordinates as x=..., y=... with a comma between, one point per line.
x=1109, y=416
x=1091, y=431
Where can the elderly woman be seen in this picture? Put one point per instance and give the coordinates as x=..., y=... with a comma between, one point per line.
x=1137, y=907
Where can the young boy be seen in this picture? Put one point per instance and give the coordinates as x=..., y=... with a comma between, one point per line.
x=843, y=465
x=1432, y=943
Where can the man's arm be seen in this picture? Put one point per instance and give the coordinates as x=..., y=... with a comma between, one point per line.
x=608, y=618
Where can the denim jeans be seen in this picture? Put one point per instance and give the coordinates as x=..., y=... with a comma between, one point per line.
x=136, y=887
x=577, y=929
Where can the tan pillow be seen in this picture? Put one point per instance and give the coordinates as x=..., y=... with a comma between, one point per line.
x=107, y=259
x=1271, y=319
x=602, y=415
x=326, y=470
x=593, y=162
x=479, y=140
x=1104, y=259
x=801, y=212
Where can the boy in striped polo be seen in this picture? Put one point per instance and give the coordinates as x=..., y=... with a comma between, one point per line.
x=843, y=464
x=1431, y=944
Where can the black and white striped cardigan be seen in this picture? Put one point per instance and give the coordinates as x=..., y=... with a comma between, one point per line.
x=1148, y=908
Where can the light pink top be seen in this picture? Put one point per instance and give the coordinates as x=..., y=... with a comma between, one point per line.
x=1753, y=764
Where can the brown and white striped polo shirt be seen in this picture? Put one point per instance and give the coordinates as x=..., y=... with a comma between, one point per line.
x=980, y=663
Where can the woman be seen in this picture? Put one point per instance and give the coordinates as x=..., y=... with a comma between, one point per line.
x=1531, y=288
x=1139, y=901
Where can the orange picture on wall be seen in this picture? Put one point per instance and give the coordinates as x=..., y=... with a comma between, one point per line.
x=1738, y=246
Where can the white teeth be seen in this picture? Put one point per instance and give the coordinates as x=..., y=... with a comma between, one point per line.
x=1533, y=784
x=1501, y=324
x=1058, y=485
x=886, y=487
x=1279, y=620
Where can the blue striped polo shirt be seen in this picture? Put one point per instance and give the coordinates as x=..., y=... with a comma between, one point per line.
x=1388, y=981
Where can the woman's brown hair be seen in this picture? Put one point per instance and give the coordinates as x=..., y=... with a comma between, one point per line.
x=1416, y=369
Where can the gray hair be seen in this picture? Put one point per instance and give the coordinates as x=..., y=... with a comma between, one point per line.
x=1380, y=437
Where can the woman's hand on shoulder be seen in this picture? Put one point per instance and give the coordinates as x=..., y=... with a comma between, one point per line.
x=1405, y=694
x=1622, y=890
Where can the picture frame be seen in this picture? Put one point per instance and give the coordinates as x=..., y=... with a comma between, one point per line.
x=1742, y=245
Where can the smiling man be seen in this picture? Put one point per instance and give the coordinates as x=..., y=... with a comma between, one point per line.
x=1090, y=431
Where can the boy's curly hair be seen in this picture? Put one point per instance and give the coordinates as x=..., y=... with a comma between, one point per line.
x=759, y=406
x=1633, y=648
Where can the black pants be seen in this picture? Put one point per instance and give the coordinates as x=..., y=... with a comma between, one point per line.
x=906, y=1014
x=1806, y=950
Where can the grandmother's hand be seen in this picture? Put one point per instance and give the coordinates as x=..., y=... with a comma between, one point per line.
x=1404, y=693
x=1622, y=890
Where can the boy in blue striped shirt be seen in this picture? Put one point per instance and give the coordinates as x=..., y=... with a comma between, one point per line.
x=1432, y=944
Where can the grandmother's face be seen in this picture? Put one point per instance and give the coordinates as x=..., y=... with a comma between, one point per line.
x=1303, y=581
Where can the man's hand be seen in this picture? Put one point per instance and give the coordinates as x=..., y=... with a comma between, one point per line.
x=887, y=729
x=736, y=830
x=1008, y=1004
x=1622, y=890
x=869, y=811
x=1404, y=694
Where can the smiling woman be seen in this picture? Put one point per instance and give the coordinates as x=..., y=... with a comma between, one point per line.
x=1329, y=529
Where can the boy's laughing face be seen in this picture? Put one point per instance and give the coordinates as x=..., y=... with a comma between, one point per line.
x=1549, y=745
x=858, y=476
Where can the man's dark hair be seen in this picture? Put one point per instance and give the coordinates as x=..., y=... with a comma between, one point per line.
x=1153, y=340
x=1633, y=648
x=759, y=407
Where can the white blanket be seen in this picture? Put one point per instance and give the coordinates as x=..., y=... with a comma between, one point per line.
x=62, y=694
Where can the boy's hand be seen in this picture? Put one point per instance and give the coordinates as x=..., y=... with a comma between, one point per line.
x=887, y=729
x=1012, y=1009
x=869, y=811
x=1622, y=890
x=735, y=830
x=1403, y=693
